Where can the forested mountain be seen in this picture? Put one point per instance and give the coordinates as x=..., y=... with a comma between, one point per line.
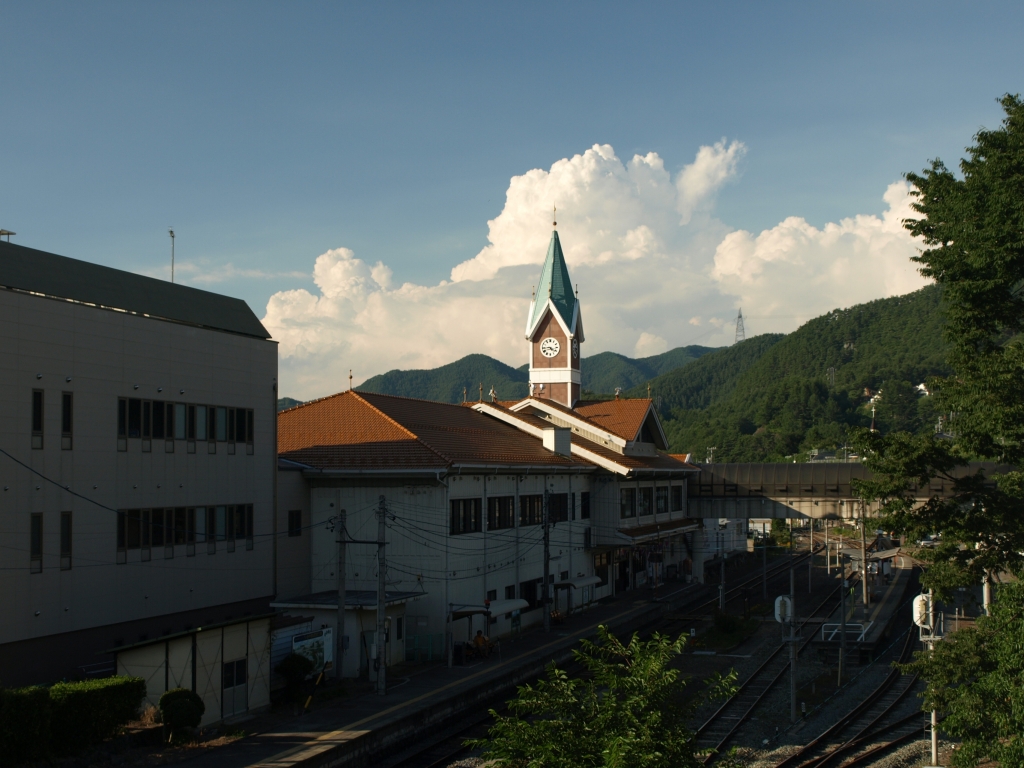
x=447, y=382
x=807, y=389
x=601, y=373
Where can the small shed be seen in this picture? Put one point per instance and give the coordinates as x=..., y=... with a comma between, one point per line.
x=227, y=664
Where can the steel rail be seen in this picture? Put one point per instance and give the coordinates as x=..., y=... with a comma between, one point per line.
x=802, y=758
x=751, y=679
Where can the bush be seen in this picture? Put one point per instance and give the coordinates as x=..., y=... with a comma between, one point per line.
x=181, y=708
x=89, y=711
x=24, y=724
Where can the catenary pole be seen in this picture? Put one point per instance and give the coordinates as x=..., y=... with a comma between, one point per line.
x=382, y=687
x=792, y=645
x=810, y=560
x=339, y=637
x=864, y=560
x=547, y=560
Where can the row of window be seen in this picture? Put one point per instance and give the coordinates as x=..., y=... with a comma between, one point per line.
x=148, y=529
x=66, y=420
x=466, y=514
x=156, y=420
x=160, y=420
x=35, y=545
x=635, y=502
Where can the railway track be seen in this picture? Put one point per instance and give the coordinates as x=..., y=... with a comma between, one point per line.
x=448, y=746
x=862, y=726
x=723, y=724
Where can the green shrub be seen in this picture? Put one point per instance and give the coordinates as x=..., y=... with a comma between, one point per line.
x=181, y=708
x=89, y=711
x=24, y=724
x=294, y=668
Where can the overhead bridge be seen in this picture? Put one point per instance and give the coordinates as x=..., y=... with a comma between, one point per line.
x=810, y=490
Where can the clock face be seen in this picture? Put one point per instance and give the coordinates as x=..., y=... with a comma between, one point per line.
x=549, y=347
x=575, y=348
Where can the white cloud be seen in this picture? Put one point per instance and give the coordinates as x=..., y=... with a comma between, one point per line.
x=701, y=179
x=650, y=271
x=796, y=271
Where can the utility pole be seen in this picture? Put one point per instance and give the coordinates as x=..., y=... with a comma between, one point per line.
x=547, y=559
x=864, y=560
x=931, y=647
x=339, y=638
x=382, y=687
x=810, y=560
x=792, y=666
x=764, y=566
x=842, y=621
x=171, y=232
x=828, y=556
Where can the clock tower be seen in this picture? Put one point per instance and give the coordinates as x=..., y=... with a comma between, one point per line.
x=554, y=329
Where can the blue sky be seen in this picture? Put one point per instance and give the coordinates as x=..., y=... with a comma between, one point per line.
x=267, y=134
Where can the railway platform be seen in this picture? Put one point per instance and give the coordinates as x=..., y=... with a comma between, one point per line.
x=869, y=628
x=424, y=699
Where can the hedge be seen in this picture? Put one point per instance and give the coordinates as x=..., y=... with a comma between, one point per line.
x=89, y=711
x=24, y=724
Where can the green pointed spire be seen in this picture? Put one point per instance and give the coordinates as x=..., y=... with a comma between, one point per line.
x=554, y=284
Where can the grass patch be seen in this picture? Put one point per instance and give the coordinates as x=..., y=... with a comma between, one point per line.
x=726, y=633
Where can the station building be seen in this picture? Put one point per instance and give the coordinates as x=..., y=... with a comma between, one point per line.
x=465, y=489
x=137, y=463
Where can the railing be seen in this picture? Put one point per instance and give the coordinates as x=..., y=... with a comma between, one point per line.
x=859, y=631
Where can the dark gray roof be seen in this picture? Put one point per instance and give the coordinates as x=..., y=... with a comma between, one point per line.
x=27, y=269
x=354, y=598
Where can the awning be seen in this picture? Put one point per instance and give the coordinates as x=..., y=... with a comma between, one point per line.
x=495, y=608
x=655, y=531
x=873, y=557
x=583, y=581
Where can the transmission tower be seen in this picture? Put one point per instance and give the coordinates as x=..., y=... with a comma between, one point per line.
x=739, y=326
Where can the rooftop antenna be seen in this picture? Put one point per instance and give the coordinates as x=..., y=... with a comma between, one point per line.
x=648, y=390
x=350, y=378
x=170, y=231
x=554, y=217
x=481, y=392
x=463, y=395
x=6, y=233
x=494, y=395
x=739, y=326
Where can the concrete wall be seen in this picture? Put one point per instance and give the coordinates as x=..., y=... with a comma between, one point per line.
x=100, y=355
x=293, y=552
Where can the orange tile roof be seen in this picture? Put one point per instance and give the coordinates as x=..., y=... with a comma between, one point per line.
x=367, y=430
x=621, y=417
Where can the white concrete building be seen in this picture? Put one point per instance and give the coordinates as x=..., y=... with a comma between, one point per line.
x=137, y=463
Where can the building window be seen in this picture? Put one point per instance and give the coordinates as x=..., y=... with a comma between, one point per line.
x=558, y=507
x=400, y=628
x=295, y=522
x=601, y=563
x=158, y=528
x=531, y=510
x=248, y=527
x=65, y=541
x=249, y=424
x=180, y=421
x=528, y=592
x=134, y=417
x=37, y=418
x=501, y=512
x=510, y=592
x=466, y=517
x=159, y=420
x=36, y=542
x=677, y=498
x=646, y=501
x=180, y=526
x=585, y=505
x=627, y=502
x=222, y=424
x=66, y=420
x=661, y=500
x=147, y=419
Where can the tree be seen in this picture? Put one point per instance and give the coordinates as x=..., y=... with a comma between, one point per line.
x=976, y=677
x=973, y=228
x=181, y=708
x=628, y=710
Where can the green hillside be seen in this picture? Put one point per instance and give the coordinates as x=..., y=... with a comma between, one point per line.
x=708, y=380
x=447, y=382
x=287, y=402
x=602, y=372
x=787, y=401
x=607, y=370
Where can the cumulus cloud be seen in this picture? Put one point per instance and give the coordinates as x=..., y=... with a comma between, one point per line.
x=650, y=260
x=795, y=270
